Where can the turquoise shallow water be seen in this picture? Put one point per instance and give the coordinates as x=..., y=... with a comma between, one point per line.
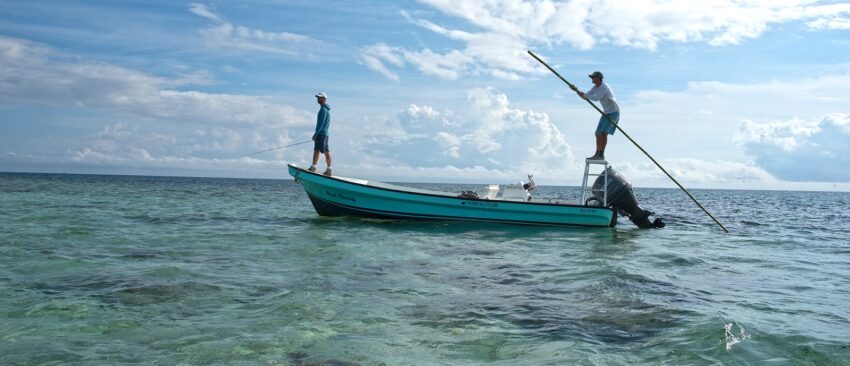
x=129, y=270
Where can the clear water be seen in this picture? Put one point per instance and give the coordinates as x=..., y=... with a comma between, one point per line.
x=128, y=270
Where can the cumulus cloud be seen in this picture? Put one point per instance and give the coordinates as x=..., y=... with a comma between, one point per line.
x=500, y=30
x=36, y=74
x=690, y=132
x=122, y=145
x=490, y=136
x=799, y=150
x=777, y=127
x=705, y=116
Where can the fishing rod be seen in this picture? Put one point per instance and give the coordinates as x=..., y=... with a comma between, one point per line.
x=573, y=87
x=275, y=148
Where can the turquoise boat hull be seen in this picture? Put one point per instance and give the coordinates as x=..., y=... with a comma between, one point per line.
x=340, y=196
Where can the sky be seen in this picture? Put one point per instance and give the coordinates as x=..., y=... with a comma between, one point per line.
x=741, y=94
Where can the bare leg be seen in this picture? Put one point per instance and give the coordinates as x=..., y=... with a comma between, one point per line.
x=328, y=159
x=315, y=157
x=601, y=142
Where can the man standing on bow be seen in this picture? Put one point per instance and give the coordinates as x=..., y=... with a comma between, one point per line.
x=323, y=122
x=602, y=93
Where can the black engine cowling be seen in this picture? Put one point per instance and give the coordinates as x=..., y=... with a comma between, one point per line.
x=621, y=197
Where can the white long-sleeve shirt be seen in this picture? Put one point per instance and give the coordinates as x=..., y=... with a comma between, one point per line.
x=603, y=94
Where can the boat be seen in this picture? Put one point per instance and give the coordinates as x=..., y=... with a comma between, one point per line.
x=511, y=204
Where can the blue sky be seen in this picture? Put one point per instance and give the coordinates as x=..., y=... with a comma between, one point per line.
x=724, y=94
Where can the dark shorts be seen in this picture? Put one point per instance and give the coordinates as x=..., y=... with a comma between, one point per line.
x=604, y=126
x=321, y=144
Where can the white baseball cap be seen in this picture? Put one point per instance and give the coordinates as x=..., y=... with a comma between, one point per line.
x=322, y=95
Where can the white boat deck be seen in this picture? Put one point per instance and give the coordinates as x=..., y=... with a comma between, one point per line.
x=395, y=187
x=446, y=194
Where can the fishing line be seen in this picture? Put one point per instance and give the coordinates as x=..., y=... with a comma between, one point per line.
x=275, y=148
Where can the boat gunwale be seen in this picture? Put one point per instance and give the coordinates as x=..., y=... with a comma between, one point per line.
x=446, y=196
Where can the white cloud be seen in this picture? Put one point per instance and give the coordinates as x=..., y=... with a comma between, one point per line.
x=702, y=118
x=841, y=23
x=641, y=23
x=505, y=28
x=226, y=125
x=204, y=11
x=489, y=137
x=225, y=35
x=691, y=171
x=375, y=55
x=35, y=74
x=799, y=150
x=690, y=132
x=776, y=127
x=121, y=145
x=446, y=66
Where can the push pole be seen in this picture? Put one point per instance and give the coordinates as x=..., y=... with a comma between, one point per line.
x=573, y=87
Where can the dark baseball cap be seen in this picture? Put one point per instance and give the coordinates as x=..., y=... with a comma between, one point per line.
x=596, y=74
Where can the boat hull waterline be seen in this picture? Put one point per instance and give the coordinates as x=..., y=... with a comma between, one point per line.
x=339, y=196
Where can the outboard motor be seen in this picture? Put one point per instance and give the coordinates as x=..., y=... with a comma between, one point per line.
x=621, y=197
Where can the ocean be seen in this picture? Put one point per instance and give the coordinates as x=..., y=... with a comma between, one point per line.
x=115, y=270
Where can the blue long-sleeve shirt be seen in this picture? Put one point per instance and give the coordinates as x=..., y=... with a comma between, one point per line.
x=323, y=121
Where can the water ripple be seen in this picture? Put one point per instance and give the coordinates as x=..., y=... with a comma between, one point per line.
x=147, y=270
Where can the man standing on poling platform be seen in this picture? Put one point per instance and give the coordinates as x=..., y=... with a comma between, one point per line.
x=602, y=92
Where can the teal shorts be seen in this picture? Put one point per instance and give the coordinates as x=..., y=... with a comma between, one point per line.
x=607, y=127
